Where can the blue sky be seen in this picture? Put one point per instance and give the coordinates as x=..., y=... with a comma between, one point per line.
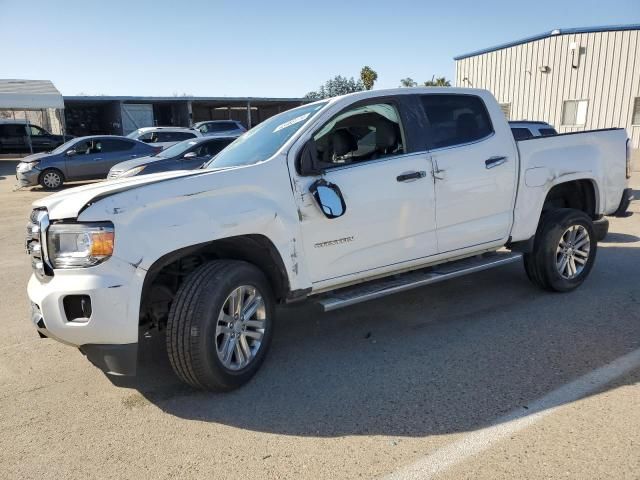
x=265, y=48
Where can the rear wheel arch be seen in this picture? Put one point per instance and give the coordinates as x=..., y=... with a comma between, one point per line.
x=580, y=195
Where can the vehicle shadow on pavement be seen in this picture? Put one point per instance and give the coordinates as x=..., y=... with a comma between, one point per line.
x=447, y=358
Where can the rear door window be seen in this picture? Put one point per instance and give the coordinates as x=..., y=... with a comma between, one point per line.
x=116, y=145
x=545, y=132
x=455, y=119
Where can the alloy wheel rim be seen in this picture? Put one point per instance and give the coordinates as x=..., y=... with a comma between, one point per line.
x=51, y=180
x=573, y=252
x=240, y=327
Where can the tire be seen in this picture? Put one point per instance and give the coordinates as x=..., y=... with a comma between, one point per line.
x=601, y=228
x=562, y=267
x=51, y=179
x=200, y=325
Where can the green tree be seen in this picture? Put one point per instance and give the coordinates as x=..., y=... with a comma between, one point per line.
x=336, y=86
x=408, y=82
x=368, y=77
x=437, y=82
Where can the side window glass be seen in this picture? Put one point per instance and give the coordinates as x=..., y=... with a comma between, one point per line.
x=545, y=132
x=215, y=147
x=179, y=136
x=455, y=119
x=521, y=133
x=83, y=148
x=37, y=132
x=149, y=137
x=363, y=133
x=113, y=145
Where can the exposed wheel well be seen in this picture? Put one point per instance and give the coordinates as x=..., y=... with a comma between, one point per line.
x=167, y=274
x=577, y=194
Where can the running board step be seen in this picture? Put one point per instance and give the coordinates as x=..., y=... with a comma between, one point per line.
x=347, y=296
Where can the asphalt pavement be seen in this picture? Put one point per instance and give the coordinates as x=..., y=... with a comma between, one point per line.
x=479, y=377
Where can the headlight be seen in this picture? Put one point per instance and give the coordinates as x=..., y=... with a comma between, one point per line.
x=132, y=172
x=26, y=167
x=76, y=245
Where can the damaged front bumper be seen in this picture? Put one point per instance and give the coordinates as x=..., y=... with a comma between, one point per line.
x=95, y=309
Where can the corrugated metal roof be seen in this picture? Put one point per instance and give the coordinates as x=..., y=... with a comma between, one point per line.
x=132, y=98
x=29, y=94
x=552, y=33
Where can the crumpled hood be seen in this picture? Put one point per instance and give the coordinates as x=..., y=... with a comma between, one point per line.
x=36, y=157
x=69, y=203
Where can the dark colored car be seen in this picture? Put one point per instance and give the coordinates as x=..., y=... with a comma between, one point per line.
x=220, y=128
x=84, y=158
x=186, y=155
x=14, y=137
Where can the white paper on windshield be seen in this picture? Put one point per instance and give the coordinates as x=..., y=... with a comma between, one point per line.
x=292, y=122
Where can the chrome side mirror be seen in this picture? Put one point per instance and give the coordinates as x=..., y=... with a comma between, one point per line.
x=71, y=153
x=190, y=155
x=329, y=198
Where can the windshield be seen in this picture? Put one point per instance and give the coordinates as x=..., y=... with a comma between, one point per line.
x=177, y=149
x=65, y=146
x=133, y=135
x=261, y=142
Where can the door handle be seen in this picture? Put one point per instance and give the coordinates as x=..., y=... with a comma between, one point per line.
x=495, y=161
x=406, y=177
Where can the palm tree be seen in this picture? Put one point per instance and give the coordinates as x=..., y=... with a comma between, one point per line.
x=408, y=82
x=437, y=82
x=368, y=76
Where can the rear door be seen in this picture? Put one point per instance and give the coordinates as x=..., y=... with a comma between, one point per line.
x=475, y=169
x=114, y=150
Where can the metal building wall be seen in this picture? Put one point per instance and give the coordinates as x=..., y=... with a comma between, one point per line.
x=608, y=76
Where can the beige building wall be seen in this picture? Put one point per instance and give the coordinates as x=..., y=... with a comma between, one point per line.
x=536, y=77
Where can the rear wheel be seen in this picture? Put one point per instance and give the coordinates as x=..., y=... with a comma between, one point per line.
x=564, y=251
x=51, y=179
x=220, y=325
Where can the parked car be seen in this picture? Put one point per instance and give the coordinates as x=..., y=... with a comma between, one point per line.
x=14, y=137
x=220, y=127
x=164, y=136
x=523, y=129
x=84, y=158
x=186, y=155
x=306, y=206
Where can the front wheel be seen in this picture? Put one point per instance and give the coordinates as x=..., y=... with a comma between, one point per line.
x=51, y=179
x=564, y=250
x=220, y=325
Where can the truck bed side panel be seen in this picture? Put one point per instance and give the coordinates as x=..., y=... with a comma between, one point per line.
x=597, y=156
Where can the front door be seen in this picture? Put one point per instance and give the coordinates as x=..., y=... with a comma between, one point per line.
x=41, y=139
x=475, y=171
x=86, y=162
x=388, y=192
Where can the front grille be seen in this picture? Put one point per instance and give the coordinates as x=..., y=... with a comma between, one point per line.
x=36, y=239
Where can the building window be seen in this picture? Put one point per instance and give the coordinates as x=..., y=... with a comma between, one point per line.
x=574, y=112
x=506, y=109
x=635, y=120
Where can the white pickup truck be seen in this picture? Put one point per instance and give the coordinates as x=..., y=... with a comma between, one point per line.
x=337, y=202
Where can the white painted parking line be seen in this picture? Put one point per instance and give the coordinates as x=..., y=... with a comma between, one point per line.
x=476, y=442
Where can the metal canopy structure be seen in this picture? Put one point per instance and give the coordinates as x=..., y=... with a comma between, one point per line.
x=18, y=94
